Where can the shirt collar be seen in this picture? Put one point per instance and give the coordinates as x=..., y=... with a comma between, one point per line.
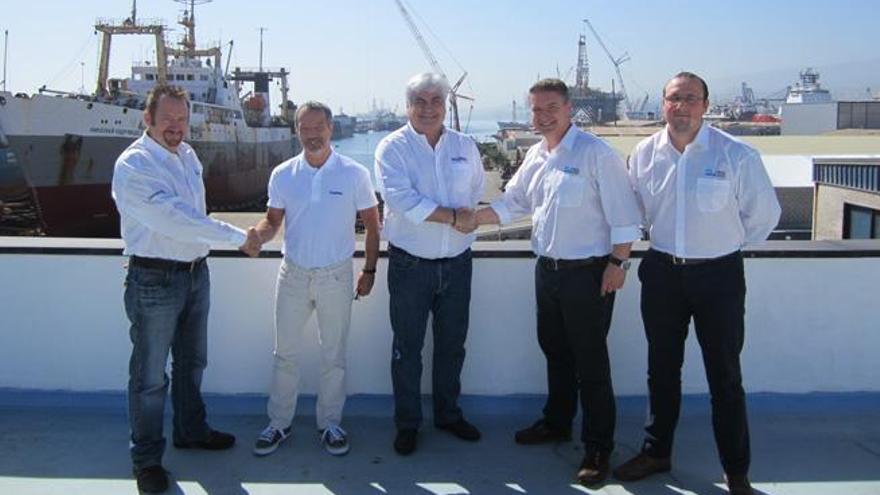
x=329, y=163
x=567, y=141
x=424, y=139
x=701, y=140
x=156, y=149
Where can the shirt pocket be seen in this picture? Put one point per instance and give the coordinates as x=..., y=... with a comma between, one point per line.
x=712, y=194
x=461, y=175
x=571, y=190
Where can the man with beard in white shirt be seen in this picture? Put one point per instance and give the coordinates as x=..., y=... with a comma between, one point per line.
x=160, y=195
x=431, y=178
x=705, y=195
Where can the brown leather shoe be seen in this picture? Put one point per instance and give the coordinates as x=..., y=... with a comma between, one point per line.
x=594, y=469
x=642, y=466
x=739, y=484
x=541, y=432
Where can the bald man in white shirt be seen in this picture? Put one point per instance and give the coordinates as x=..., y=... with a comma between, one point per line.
x=705, y=195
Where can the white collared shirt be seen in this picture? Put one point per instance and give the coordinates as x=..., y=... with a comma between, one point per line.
x=709, y=201
x=160, y=196
x=578, y=194
x=320, y=207
x=414, y=179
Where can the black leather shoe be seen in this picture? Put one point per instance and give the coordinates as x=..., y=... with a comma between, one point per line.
x=594, y=468
x=462, y=429
x=541, y=432
x=405, y=441
x=642, y=466
x=152, y=479
x=739, y=485
x=217, y=440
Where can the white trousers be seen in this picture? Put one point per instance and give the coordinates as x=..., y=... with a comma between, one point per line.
x=327, y=291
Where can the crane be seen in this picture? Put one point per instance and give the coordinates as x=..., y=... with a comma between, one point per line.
x=617, y=62
x=435, y=66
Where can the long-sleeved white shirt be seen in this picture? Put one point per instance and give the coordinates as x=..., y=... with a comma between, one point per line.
x=414, y=179
x=161, y=201
x=709, y=201
x=578, y=195
x=320, y=206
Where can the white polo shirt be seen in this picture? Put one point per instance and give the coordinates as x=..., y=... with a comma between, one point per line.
x=160, y=196
x=320, y=207
x=709, y=201
x=579, y=196
x=415, y=179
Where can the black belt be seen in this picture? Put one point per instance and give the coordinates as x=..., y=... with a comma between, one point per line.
x=675, y=260
x=554, y=264
x=404, y=252
x=170, y=265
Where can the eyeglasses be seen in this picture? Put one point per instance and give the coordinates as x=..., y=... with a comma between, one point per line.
x=689, y=99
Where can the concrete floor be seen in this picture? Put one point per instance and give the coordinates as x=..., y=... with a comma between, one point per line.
x=65, y=443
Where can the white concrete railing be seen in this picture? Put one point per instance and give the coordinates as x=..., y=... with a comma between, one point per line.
x=811, y=322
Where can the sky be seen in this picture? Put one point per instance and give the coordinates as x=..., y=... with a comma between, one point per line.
x=349, y=53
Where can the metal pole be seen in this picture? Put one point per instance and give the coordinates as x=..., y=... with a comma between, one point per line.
x=5, y=47
x=261, y=48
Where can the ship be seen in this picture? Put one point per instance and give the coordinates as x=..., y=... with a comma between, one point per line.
x=59, y=147
x=808, y=90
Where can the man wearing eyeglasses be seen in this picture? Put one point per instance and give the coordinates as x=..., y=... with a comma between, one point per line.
x=705, y=195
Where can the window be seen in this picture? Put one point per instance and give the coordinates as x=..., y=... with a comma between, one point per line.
x=150, y=77
x=860, y=222
x=190, y=77
x=203, y=77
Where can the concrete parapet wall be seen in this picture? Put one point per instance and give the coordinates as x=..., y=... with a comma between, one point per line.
x=811, y=323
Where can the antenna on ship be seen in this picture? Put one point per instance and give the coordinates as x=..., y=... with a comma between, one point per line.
x=5, y=47
x=262, y=30
x=189, y=22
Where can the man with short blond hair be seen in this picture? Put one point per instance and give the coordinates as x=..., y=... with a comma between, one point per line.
x=584, y=220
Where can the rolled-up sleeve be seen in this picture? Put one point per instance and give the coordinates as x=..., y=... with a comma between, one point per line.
x=396, y=186
x=618, y=199
x=514, y=203
x=151, y=203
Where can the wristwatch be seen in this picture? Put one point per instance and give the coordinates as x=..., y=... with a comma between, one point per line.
x=623, y=264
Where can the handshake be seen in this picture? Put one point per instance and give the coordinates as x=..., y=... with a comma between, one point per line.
x=464, y=220
x=253, y=244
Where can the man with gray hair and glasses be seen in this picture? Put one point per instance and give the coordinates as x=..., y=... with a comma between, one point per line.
x=430, y=178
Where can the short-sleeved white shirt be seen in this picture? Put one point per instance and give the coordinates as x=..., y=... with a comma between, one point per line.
x=320, y=207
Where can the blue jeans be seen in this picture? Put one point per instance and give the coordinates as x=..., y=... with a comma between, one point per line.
x=168, y=310
x=419, y=286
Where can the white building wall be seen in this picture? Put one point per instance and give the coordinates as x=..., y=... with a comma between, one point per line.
x=808, y=118
x=810, y=327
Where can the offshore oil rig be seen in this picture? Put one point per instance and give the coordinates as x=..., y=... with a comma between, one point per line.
x=590, y=106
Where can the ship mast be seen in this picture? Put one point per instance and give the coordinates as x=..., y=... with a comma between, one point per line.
x=188, y=44
x=110, y=28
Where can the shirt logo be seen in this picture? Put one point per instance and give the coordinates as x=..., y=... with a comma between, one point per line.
x=459, y=159
x=719, y=174
x=571, y=170
x=335, y=193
